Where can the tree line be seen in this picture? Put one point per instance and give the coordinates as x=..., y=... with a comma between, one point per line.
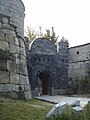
x=49, y=34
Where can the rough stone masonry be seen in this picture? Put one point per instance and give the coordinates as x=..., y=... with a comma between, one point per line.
x=13, y=69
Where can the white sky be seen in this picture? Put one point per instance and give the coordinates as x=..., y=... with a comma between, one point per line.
x=70, y=18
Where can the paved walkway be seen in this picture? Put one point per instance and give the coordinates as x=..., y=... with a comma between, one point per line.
x=59, y=98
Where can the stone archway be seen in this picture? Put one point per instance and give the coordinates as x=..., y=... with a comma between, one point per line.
x=44, y=82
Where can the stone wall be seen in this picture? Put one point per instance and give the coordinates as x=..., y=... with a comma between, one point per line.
x=79, y=64
x=13, y=68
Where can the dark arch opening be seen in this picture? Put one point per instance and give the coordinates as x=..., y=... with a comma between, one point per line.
x=44, y=77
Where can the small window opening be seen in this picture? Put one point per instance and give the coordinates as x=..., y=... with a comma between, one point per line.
x=77, y=52
x=48, y=60
x=43, y=59
x=39, y=59
x=62, y=60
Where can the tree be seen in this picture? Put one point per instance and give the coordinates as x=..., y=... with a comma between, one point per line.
x=32, y=34
x=51, y=35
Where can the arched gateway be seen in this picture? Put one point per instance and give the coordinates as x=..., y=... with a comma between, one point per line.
x=47, y=71
x=44, y=78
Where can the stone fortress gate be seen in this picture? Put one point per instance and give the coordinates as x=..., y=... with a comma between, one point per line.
x=48, y=67
x=13, y=69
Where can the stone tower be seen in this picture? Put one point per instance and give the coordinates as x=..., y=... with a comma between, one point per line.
x=13, y=68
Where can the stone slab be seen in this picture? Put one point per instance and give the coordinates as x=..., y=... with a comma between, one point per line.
x=56, y=109
x=77, y=109
x=59, y=98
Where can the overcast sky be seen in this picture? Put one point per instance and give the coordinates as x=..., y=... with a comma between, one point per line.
x=70, y=18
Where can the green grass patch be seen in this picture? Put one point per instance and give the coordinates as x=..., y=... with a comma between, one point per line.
x=36, y=110
x=23, y=110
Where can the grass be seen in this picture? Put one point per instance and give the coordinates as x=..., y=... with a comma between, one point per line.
x=23, y=110
x=36, y=110
x=69, y=115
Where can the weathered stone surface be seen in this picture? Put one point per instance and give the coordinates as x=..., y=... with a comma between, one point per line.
x=21, y=95
x=17, y=49
x=16, y=41
x=17, y=61
x=22, y=57
x=1, y=35
x=6, y=31
x=10, y=39
x=22, y=51
x=21, y=87
x=3, y=64
x=11, y=66
x=12, y=57
x=13, y=95
x=14, y=78
x=9, y=88
x=4, y=54
x=4, y=46
x=4, y=77
x=56, y=109
x=24, y=79
x=7, y=26
x=76, y=103
x=5, y=20
x=17, y=88
x=13, y=33
x=27, y=87
x=22, y=63
x=77, y=109
x=1, y=88
x=27, y=95
x=13, y=49
x=23, y=70
x=0, y=24
x=21, y=43
x=18, y=69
